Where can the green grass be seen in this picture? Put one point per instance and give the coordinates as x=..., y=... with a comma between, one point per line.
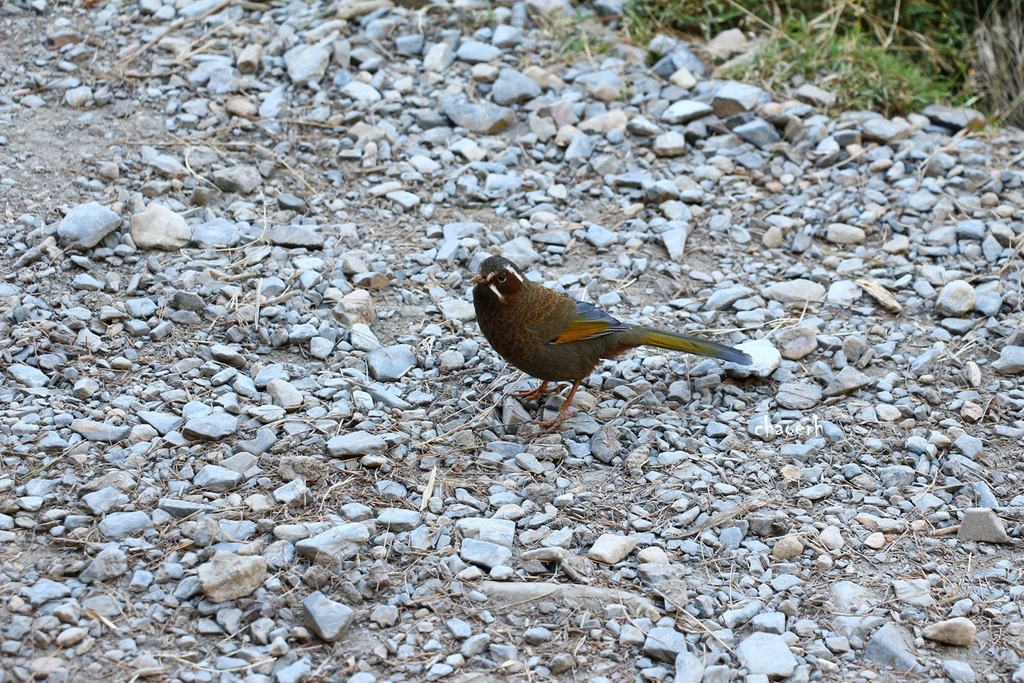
x=892, y=57
x=859, y=72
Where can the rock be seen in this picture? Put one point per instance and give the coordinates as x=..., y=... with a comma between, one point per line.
x=605, y=86
x=228, y=576
x=100, y=431
x=664, y=644
x=684, y=111
x=788, y=547
x=880, y=129
x=305, y=63
x=670, y=144
x=512, y=87
x=211, y=427
x=485, y=554
x=766, y=654
x=847, y=381
x=798, y=395
x=109, y=563
x=611, y=548
x=1010, y=361
x=958, y=631
x=794, y=292
x=812, y=94
x=733, y=97
x=120, y=525
x=954, y=118
x=758, y=132
x=956, y=298
x=982, y=524
x=86, y=225
x=390, y=363
x=486, y=119
x=841, y=233
x=27, y=375
x=726, y=44
x=325, y=617
x=157, y=227
x=891, y=646
x=335, y=545
x=474, y=52
x=355, y=444
x=241, y=179
x=795, y=343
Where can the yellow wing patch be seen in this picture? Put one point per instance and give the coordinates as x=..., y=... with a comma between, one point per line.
x=581, y=329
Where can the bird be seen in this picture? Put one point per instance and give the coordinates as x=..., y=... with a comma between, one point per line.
x=556, y=338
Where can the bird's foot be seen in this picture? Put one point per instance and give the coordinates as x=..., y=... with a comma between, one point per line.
x=530, y=394
x=550, y=425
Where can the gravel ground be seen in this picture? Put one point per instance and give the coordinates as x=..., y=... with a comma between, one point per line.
x=250, y=430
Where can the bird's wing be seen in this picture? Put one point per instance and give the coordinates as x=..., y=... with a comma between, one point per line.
x=589, y=322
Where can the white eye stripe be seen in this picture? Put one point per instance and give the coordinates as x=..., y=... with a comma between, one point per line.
x=513, y=273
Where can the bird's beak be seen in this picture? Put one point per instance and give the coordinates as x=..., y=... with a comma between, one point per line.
x=478, y=279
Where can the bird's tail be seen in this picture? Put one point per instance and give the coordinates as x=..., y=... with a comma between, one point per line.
x=680, y=342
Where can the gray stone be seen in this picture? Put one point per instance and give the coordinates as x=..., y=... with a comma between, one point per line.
x=86, y=225
x=217, y=478
x=1010, y=361
x=120, y=525
x=306, y=63
x=389, y=364
x=846, y=381
x=335, y=545
x=100, y=431
x=664, y=644
x=954, y=118
x=758, y=132
x=512, y=87
x=475, y=52
x=766, y=654
x=485, y=554
x=891, y=646
x=798, y=291
x=483, y=118
x=211, y=427
x=242, y=179
x=27, y=375
x=109, y=563
x=684, y=111
x=325, y=617
x=356, y=443
x=44, y=591
x=982, y=524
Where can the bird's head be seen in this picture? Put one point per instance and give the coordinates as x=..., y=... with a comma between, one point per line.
x=498, y=278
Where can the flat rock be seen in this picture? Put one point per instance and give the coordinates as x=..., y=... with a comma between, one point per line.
x=325, y=617
x=982, y=524
x=335, y=545
x=797, y=291
x=766, y=654
x=390, y=363
x=242, y=179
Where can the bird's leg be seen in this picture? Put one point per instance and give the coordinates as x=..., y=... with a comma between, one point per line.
x=530, y=394
x=551, y=424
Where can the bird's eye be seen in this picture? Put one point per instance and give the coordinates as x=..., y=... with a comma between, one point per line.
x=502, y=277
